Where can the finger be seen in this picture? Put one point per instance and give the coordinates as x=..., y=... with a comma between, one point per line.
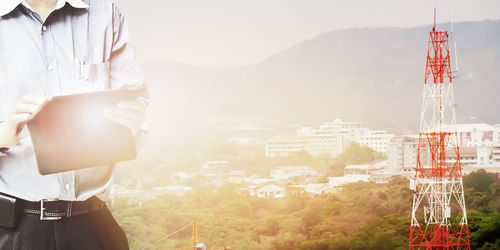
x=23, y=133
x=133, y=105
x=20, y=127
x=19, y=118
x=136, y=87
x=124, y=121
x=33, y=99
x=25, y=108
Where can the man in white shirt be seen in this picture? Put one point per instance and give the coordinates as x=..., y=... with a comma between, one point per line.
x=51, y=48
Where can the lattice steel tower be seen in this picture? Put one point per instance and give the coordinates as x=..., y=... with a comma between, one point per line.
x=438, y=219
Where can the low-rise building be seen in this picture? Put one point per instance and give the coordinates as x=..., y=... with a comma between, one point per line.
x=180, y=175
x=356, y=169
x=271, y=191
x=286, y=172
x=490, y=168
x=319, y=188
x=367, y=168
x=342, y=180
x=245, y=141
x=215, y=168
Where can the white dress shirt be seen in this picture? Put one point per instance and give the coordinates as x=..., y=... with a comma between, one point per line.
x=82, y=46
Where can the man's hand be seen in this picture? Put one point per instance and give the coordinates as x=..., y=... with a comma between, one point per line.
x=127, y=113
x=11, y=127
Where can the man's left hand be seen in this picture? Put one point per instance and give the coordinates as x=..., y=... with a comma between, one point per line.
x=130, y=114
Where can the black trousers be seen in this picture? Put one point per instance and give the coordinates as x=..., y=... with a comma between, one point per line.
x=93, y=231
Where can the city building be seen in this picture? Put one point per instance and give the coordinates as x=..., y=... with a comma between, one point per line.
x=318, y=188
x=475, y=135
x=326, y=143
x=285, y=145
x=495, y=154
x=331, y=138
x=496, y=134
x=402, y=153
x=215, y=168
x=377, y=171
x=356, y=169
x=375, y=166
x=472, y=155
x=291, y=171
x=495, y=150
x=272, y=191
x=245, y=141
x=181, y=175
x=376, y=140
x=490, y=168
x=337, y=182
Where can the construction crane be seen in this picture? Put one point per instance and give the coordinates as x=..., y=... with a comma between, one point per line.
x=196, y=245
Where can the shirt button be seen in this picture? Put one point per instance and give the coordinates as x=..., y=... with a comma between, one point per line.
x=66, y=187
x=51, y=67
x=44, y=28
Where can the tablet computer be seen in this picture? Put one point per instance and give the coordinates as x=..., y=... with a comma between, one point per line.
x=70, y=132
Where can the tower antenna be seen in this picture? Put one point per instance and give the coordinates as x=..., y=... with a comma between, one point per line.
x=437, y=186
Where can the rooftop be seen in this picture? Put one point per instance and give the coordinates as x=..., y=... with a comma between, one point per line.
x=290, y=168
x=287, y=138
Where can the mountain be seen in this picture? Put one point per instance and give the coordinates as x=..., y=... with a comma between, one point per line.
x=364, y=74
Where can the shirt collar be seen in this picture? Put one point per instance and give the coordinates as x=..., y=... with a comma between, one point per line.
x=7, y=6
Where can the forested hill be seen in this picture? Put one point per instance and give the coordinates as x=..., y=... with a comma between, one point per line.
x=361, y=216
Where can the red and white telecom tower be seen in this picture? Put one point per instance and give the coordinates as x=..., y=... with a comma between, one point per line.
x=438, y=219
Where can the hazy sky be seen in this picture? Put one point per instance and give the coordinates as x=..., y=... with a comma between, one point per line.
x=232, y=33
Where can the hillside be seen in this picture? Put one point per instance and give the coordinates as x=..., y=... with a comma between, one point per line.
x=363, y=74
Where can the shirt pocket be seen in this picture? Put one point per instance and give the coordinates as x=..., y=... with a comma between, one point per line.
x=88, y=78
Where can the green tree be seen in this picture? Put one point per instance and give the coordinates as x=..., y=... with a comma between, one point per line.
x=480, y=180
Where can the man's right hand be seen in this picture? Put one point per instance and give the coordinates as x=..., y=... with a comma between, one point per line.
x=12, y=126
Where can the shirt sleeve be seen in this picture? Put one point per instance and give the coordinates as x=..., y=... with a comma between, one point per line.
x=125, y=69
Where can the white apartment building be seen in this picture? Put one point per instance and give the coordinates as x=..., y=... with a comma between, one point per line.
x=285, y=145
x=471, y=155
x=495, y=154
x=331, y=138
x=325, y=143
x=402, y=153
x=476, y=135
x=377, y=140
x=479, y=143
x=496, y=134
x=495, y=150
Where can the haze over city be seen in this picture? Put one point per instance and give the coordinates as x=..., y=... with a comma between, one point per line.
x=289, y=124
x=229, y=33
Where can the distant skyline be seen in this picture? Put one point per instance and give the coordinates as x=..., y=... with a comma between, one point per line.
x=234, y=33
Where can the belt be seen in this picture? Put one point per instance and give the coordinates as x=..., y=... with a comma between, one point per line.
x=54, y=209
